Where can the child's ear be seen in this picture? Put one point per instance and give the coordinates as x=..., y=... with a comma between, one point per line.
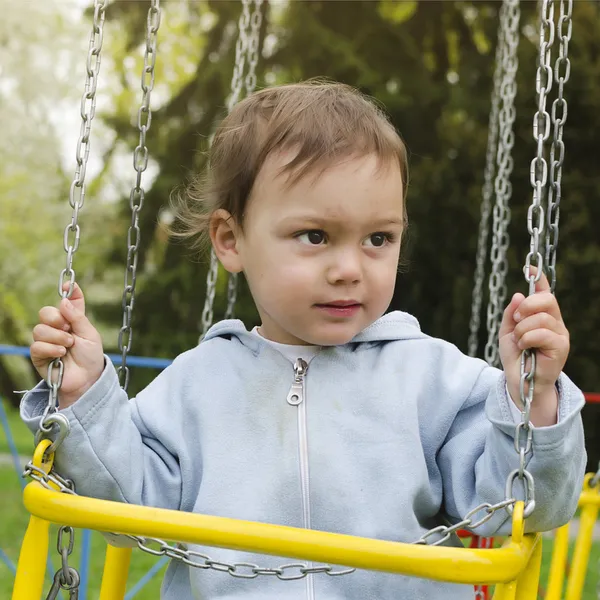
x=224, y=232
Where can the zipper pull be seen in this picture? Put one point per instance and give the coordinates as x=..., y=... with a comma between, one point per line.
x=296, y=393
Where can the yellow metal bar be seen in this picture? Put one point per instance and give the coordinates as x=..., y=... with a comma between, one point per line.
x=589, y=498
x=116, y=569
x=460, y=565
x=31, y=569
x=581, y=553
x=505, y=591
x=529, y=579
x=558, y=565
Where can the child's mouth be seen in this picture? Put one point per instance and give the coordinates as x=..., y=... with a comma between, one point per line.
x=340, y=309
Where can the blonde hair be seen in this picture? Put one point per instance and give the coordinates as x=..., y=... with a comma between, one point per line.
x=322, y=122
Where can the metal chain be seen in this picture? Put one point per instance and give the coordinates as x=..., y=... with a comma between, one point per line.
x=66, y=577
x=136, y=196
x=535, y=227
x=247, y=49
x=252, y=49
x=241, y=51
x=562, y=72
x=54, y=425
x=77, y=194
x=486, y=199
x=541, y=132
x=509, y=13
x=434, y=537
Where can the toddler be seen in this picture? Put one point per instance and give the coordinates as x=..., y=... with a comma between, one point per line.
x=331, y=414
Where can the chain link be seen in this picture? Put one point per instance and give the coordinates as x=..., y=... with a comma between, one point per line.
x=66, y=577
x=486, y=199
x=247, y=51
x=562, y=72
x=137, y=193
x=509, y=15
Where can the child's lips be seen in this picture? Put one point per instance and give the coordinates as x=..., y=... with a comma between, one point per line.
x=340, y=309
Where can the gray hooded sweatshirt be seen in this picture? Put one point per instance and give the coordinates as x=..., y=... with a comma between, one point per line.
x=395, y=432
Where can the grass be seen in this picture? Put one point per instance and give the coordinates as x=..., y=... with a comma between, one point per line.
x=13, y=522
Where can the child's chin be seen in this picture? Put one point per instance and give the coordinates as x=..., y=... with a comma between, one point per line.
x=336, y=338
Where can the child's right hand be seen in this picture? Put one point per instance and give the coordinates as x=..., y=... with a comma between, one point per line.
x=65, y=332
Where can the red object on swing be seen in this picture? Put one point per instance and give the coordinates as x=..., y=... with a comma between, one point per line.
x=478, y=542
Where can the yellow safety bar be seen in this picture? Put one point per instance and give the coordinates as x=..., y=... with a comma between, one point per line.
x=589, y=502
x=514, y=567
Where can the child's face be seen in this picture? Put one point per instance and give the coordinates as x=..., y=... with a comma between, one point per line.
x=326, y=241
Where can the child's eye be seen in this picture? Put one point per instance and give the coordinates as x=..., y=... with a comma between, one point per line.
x=314, y=237
x=378, y=239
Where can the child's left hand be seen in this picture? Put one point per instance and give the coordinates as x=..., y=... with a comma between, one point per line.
x=535, y=322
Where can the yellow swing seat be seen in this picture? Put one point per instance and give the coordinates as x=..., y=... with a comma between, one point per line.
x=514, y=567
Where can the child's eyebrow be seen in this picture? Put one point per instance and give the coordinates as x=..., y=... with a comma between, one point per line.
x=323, y=221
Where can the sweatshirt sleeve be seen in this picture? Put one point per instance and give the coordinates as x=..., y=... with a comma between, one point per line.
x=479, y=453
x=110, y=452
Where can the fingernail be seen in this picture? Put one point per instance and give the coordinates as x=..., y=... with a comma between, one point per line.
x=69, y=304
x=517, y=316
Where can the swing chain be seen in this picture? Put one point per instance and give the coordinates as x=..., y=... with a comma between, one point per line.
x=535, y=227
x=137, y=193
x=562, y=72
x=541, y=132
x=88, y=111
x=241, y=51
x=252, y=52
x=240, y=570
x=510, y=15
x=247, y=48
x=66, y=577
x=487, y=190
x=76, y=199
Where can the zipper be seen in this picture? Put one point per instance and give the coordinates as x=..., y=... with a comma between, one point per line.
x=297, y=397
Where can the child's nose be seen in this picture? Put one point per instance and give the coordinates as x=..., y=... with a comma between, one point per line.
x=345, y=267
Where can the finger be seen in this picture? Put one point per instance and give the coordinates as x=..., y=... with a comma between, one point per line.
x=77, y=298
x=51, y=335
x=50, y=315
x=508, y=318
x=537, y=303
x=542, y=284
x=80, y=325
x=539, y=321
x=43, y=351
x=541, y=339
